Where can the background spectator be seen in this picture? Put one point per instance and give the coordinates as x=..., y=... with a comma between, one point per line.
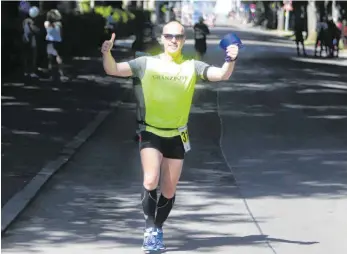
x=30, y=32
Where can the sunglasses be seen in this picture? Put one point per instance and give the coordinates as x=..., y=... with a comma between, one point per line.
x=176, y=36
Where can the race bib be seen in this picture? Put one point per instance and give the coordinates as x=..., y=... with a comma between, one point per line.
x=185, y=138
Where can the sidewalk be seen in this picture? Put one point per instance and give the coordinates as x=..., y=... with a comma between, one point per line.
x=280, y=34
x=93, y=203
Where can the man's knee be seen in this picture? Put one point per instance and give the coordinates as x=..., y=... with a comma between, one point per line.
x=150, y=181
x=168, y=191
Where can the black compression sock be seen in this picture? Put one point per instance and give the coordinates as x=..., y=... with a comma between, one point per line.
x=149, y=203
x=163, y=210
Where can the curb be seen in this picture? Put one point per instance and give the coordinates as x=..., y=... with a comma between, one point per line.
x=14, y=207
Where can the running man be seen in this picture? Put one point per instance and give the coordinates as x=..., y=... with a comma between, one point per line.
x=164, y=98
x=299, y=38
x=200, y=33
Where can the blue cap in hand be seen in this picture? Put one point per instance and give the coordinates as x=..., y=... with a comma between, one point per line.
x=230, y=39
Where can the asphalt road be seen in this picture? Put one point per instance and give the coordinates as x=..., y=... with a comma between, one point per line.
x=40, y=116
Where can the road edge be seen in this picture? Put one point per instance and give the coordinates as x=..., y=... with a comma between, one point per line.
x=16, y=204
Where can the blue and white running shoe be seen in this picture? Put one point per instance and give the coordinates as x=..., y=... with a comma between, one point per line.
x=160, y=239
x=149, y=240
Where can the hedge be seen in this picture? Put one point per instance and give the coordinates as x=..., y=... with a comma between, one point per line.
x=82, y=33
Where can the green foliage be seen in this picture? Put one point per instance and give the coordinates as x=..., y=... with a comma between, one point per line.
x=104, y=11
x=85, y=6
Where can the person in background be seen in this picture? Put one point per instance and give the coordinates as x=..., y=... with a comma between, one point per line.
x=334, y=38
x=321, y=30
x=54, y=40
x=200, y=32
x=30, y=32
x=299, y=38
x=344, y=33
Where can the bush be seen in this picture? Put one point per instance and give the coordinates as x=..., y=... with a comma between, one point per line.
x=123, y=19
x=85, y=32
x=11, y=55
x=82, y=33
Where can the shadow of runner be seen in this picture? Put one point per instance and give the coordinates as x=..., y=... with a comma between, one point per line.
x=189, y=243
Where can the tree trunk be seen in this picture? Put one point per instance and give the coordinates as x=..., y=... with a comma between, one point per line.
x=140, y=5
x=311, y=20
x=280, y=19
x=335, y=11
x=41, y=6
x=267, y=13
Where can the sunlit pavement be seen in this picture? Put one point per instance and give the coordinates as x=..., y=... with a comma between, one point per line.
x=267, y=173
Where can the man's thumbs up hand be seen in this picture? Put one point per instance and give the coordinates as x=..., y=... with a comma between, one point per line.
x=107, y=45
x=113, y=37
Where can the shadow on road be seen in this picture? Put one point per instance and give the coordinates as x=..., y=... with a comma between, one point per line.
x=95, y=200
x=39, y=116
x=285, y=125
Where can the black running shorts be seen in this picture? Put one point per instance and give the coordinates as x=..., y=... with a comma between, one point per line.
x=171, y=148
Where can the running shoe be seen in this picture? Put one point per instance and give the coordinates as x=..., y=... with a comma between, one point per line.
x=149, y=240
x=160, y=239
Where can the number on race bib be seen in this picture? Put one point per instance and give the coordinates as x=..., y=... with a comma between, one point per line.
x=185, y=138
x=184, y=135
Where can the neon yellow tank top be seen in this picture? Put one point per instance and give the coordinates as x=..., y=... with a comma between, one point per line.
x=164, y=93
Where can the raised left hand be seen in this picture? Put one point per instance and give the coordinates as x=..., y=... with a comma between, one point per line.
x=232, y=51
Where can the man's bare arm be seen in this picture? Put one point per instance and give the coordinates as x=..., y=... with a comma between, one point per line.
x=111, y=67
x=219, y=74
x=224, y=72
